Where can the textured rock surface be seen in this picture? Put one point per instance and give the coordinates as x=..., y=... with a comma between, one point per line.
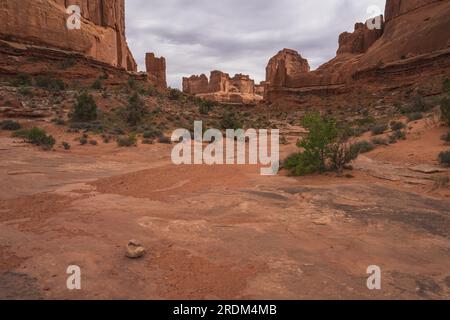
x=43, y=23
x=156, y=70
x=221, y=87
x=411, y=48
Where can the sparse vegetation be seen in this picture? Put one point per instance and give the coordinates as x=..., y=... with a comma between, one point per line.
x=175, y=94
x=164, y=139
x=446, y=137
x=22, y=79
x=36, y=136
x=444, y=158
x=446, y=85
x=10, y=125
x=397, y=125
x=414, y=116
x=66, y=145
x=397, y=135
x=230, y=121
x=97, y=85
x=93, y=142
x=135, y=110
x=379, y=141
x=50, y=83
x=364, y=146
x=379, y=129
x=85, y=109
x=127, y=141
x=445, y=111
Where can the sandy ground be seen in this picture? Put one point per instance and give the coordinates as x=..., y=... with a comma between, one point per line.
x=220, y=232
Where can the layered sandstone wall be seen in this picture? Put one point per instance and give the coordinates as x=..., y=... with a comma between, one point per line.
x=43, y=23
x=221, y=87
x=156, y=70
x=413, y=30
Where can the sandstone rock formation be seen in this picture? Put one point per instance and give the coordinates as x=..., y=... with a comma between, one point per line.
x=43, y=23
x=222, y=88
x=156, y=70
x=412, y=47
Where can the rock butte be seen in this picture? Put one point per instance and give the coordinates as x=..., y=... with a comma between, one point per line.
x=42, y=24
x=221, y=87
x=411, y=48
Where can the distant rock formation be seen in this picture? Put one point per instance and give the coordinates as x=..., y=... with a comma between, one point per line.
x=220, y=87
x=156, y=70
x=411, y=47
x=43, y=23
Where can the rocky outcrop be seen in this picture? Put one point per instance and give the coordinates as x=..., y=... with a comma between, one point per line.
x=411, y=48
x=222, y=88
x=43, y=23
x=156, y=70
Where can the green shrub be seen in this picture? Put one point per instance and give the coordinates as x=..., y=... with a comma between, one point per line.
x=414, y=116
x=135, y=110
x=22, y=79
x=379, y=129
x=445, y=110
x=363, y=146
x=85, y=109
x=150, y=134
x=397, y=125
x=97, y=85
x=83, y=141
x=301, y=164
x=446, y=85
x=10, y=125
x=446, y=137
x=50, y=83
x=25, y=91
x=444, y=158
x=205, y=106
x=164, y=139
x=230, y=121
x=93, y=142
x=148, y=141
x=127, y=141
x=175, y=94
x=397, y=135
x=66, y=145
x=36, y=136
x=380, y=141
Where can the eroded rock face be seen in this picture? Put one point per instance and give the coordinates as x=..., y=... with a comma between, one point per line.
x=156, y=70
x=285, y=66
x=222, y=88
x=43, y=23
x=411, y=48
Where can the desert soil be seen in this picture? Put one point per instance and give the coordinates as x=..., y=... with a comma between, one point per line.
x=221, y=232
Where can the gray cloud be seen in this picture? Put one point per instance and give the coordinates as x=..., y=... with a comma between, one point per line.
x=236, y=36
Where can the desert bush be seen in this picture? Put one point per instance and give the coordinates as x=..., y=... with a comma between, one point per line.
x=67, y=63
x=444, y=158
x=127, y=141
x=25, y=91
x=379, y=129
x=175, y=94
x=446, y=137
x=205, y=106
x=22, y=79
x=164, y=139
x=230, y=121
x=97, y=85
x=93, y=142
x=363, y=146
x=414, y=116
x=397, y=125
x=397, y=135
x=148, y=141
x=379, y=141
x=66, y=145
x=10, y=125
x=83, y=140
x=150, y=134
x=446, y=85
x=317, y=145
x=85, y=109
x=36, y=136
x=135, y=110
x=445, y=111
x=341, y=154
x=50, y=83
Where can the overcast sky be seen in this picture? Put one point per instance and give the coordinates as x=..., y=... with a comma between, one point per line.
x=238, y=36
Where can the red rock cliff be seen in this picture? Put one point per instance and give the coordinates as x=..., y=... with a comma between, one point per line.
x=156, y=70
x=43, y=23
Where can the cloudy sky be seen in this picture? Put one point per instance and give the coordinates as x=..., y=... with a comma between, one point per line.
x=238, y=36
